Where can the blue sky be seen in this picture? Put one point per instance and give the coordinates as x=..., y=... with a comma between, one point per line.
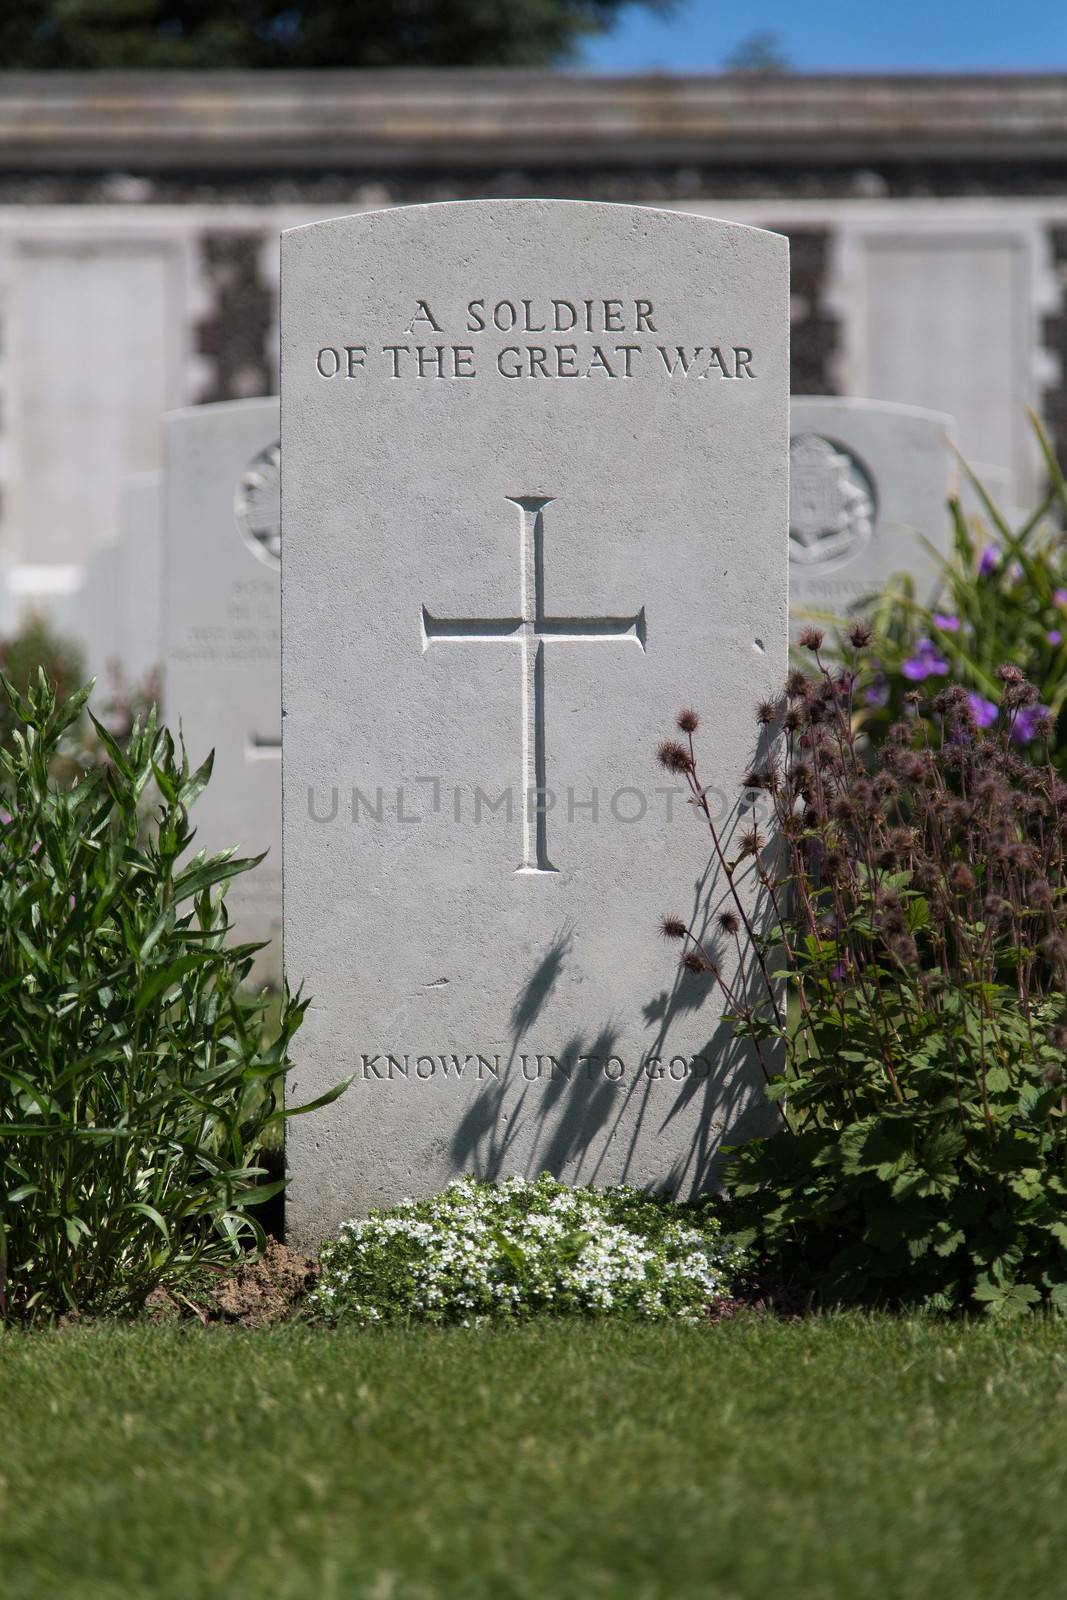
x=842, y=35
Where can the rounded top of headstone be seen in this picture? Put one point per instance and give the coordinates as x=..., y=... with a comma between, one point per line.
x=832, y=502
x=257, y=505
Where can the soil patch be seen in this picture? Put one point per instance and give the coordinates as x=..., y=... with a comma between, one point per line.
x=254, y=1294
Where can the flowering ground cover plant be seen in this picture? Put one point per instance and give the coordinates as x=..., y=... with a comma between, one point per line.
x=916, y=896
x=512, y=1249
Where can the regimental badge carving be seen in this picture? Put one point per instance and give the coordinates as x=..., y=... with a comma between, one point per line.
x=257, y=505
x=831, y=502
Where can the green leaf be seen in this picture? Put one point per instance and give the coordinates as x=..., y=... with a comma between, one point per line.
x=326, y=1099
x=153, y=1216
x=162, y=979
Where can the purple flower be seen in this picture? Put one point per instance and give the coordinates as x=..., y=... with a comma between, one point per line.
x=878, y=693
x=925, y=663
x=1060, y=597
x=1054, y=636
x=946, y=622
x=984, y=711
x=838, y=972
x=988, y=560
x=1027, y=723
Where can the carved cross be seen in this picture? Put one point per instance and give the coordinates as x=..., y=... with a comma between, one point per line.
x=532, y=629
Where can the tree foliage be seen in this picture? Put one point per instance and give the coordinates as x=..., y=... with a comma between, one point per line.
x=164, y=34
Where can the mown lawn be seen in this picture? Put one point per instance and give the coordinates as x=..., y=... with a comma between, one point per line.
x=841, y=1457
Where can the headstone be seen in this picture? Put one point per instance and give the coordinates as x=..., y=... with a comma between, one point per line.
x=999, y=485
x=30, y=590
x=114, y=614
x=868, y=482
x=534, y=504
x=223, y=633
x=91, y=616
x=141, y=541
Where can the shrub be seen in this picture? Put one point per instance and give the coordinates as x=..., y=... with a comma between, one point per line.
x=34, y=648
x=516, y=1248
x=917, y=899
x=1002, y=597
x=136, y=1080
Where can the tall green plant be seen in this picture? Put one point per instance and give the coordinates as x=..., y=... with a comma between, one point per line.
x=1002, y=597
x=32, y=648
x=137, y=1079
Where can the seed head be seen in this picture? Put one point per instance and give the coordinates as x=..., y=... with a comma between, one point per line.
x=674, y=756
x=1039, y=894
x=860, y=635
x=730, y=923
x=996, y=909
x=688, y=721
x=1017, y=695
x=697, y=962
x=810, y=638
x=1055, y=948
x=961, y=878
x=904, y=948
x=766, y=712
x=673, y=928
x=751, y=842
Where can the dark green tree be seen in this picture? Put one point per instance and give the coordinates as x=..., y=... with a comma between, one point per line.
x=93, y=35
x=759, y=53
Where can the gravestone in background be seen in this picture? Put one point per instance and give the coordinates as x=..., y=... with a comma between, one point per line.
x=868, y=482
x=999, y=485
x=92, y=617
x=115, y=613
x=534, y=503
x=221, y=592
x=29, y=590
x=141, y=566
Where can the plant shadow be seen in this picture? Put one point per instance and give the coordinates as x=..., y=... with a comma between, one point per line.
x=583, y=1114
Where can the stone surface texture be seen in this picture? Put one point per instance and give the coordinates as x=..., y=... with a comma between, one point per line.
x=493, y=583
x=113, y=613
x=223, y=632
x=869, y=481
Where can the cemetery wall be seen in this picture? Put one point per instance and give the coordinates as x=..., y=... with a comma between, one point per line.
x=139, y=223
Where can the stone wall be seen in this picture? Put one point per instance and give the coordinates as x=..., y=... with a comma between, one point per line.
x=139, y=220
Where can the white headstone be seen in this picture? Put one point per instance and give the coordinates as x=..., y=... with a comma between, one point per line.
x=868, y=482
x=534, y=504
x=223, y=640
x=92, y=617
x=141, y=541
x=30, y=590
x=999, y=485
x=115, y=612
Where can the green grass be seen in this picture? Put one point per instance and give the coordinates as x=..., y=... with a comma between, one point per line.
x=845, y=1457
